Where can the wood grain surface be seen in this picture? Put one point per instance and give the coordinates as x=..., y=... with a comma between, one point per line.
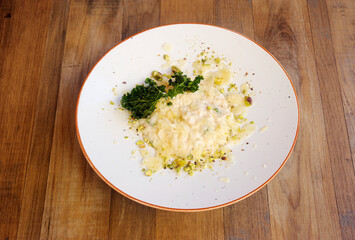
x=49, y=191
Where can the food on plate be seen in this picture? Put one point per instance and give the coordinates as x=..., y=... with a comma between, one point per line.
x=189, y=123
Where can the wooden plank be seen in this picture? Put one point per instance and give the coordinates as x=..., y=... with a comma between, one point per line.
x=41, y=142
x=248, y=219
x=139, y=16
x=301, y=198
x=236, y=15
x=342, y=17
x=198, y=11
x=6, y=11
x=128, y=219
x=174, y=225
x=21, y=50
x=77, y=203
x=335, y=122
x=200, y=225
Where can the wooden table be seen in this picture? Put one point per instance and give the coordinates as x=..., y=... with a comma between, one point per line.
x=49, y=191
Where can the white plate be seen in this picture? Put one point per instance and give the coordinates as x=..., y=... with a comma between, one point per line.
x=101, y=129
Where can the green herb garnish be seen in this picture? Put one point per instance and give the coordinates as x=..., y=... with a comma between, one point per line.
x=142, y=100
x=217, y=110
x=182, y=84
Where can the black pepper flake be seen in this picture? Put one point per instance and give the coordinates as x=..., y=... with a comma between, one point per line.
x=247, y=143
x=253, y=73
x=223, y=158
x=124, y=82
x=246, y=74
x=252, y=89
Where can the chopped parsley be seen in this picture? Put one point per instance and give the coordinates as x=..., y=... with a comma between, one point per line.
x=142, y=100
x=182, y=84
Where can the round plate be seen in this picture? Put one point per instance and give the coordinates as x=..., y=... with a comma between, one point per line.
x=108, y=143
